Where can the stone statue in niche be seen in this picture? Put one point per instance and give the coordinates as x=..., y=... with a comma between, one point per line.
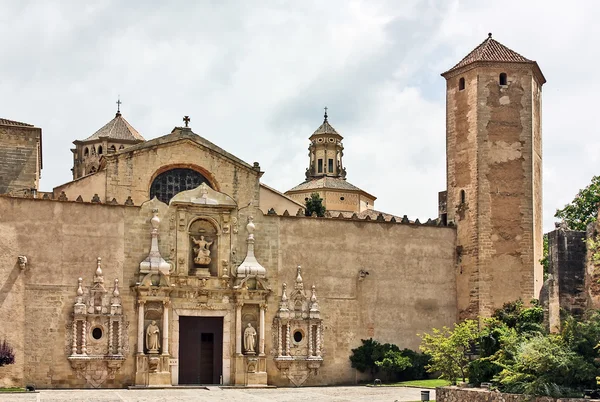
x=249, y=339
x=202, y=251
x=152, y=335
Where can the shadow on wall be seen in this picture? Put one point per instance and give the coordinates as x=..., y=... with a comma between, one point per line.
x=10, y=281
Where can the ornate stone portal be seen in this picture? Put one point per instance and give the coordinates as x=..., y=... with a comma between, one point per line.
x=298, y=330
x=98, y=343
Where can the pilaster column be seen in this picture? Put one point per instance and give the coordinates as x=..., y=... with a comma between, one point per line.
x=279, y=338
x=84, y=337
x=287, y=339
x=310, y=344
x=165, y=329
x=261, y=341
x=119, y=336
x=140, y=340
x=238, y=327
x=74, y=344
x=319, y=340
x=110, y=336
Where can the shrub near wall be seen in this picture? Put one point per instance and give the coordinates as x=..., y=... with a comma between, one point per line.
x=455, y=394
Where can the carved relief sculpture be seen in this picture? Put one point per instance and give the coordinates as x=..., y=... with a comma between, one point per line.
x=98, y=344
x=202, y=251
x=152, y=338
x=249, y=339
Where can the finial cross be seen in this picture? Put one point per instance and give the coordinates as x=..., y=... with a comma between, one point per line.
x=326, y=113
x=119, y=104
x=186, y=120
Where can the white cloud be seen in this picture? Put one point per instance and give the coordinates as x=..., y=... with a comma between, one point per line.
x=255, y=76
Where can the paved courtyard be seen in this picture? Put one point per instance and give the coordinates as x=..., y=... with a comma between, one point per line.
x=312, y=394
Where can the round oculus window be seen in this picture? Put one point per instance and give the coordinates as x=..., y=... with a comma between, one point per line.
x=298, y=336
x=97, y=333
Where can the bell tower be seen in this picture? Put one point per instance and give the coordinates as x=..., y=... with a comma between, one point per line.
x=494, y=176
x=325, y=152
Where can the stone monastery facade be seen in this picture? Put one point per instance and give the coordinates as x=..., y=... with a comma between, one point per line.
x=167, y=261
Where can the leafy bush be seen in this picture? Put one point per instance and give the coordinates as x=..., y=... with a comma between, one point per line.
x=483, y=370
x=315, y=204
x=387, y=358
x=544, y=365
x=449, y=349
x=7, y=355
x=523, y=319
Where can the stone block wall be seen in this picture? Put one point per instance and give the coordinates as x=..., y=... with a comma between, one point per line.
x=567, y=265
x=454, y=394
x=20, y=158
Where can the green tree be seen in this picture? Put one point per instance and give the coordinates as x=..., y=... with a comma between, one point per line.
x=7, y=355
x=584, y=207
x=363, y=358
x=393, y=362
x=315, y=204
x=449, y=349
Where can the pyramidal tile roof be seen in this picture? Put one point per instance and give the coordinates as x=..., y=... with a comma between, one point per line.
x=6, y=122
x=325, y=128
x=117, y=129
x=493, y=51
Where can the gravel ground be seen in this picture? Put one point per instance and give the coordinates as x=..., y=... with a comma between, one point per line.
x=311, y=394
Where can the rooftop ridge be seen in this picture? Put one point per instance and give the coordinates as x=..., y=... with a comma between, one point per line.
x=490, y=50
x=7, y=122
x=118, y=129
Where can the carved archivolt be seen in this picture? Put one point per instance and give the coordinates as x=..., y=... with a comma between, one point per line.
x=97, y=336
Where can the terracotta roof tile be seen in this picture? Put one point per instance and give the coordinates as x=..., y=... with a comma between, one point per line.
x=6, y=122
x=117, y=129
x=493, y=51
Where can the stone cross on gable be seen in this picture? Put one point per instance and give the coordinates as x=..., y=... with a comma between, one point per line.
x=186, y=120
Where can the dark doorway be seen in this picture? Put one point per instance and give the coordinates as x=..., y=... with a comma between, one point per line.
x=200, y=350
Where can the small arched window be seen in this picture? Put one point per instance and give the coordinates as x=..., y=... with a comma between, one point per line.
x=112, y=148
x=86, y=151
x=100, y=150
x=463, y=196
x=121, y=147
x=461, y=83
x=503, y=80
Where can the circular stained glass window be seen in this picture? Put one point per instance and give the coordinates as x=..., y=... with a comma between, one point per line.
x=167, y=184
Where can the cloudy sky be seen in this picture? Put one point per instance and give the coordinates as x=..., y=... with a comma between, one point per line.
x=255, y=75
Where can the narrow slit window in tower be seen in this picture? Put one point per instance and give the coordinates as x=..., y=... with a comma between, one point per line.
x=461, y=84
x=320, y=166
x=330, y=166
x=503, y=80
x=463, y=196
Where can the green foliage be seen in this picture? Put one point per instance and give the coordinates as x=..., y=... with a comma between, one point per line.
x=7, y=355
x=393, y=362
x=364, y=357
x=584, y=207
x=449, y=349
x=523, y=319
x=315, y=204
x=483, y=370
x=583, y=336
x=544, y=365
x=417, y=369
x=544, y=261
x=396, y=364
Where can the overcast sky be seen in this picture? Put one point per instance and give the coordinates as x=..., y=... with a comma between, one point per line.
x=254, y=77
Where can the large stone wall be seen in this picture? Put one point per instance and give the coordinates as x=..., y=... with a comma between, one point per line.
x=20, y=160
x=454, y=394
x=409, y=288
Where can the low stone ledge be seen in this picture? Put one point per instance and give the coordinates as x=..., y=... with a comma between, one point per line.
x=455, y=394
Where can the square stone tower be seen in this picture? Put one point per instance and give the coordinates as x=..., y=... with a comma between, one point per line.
x=494, y=176
x=20, y=157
